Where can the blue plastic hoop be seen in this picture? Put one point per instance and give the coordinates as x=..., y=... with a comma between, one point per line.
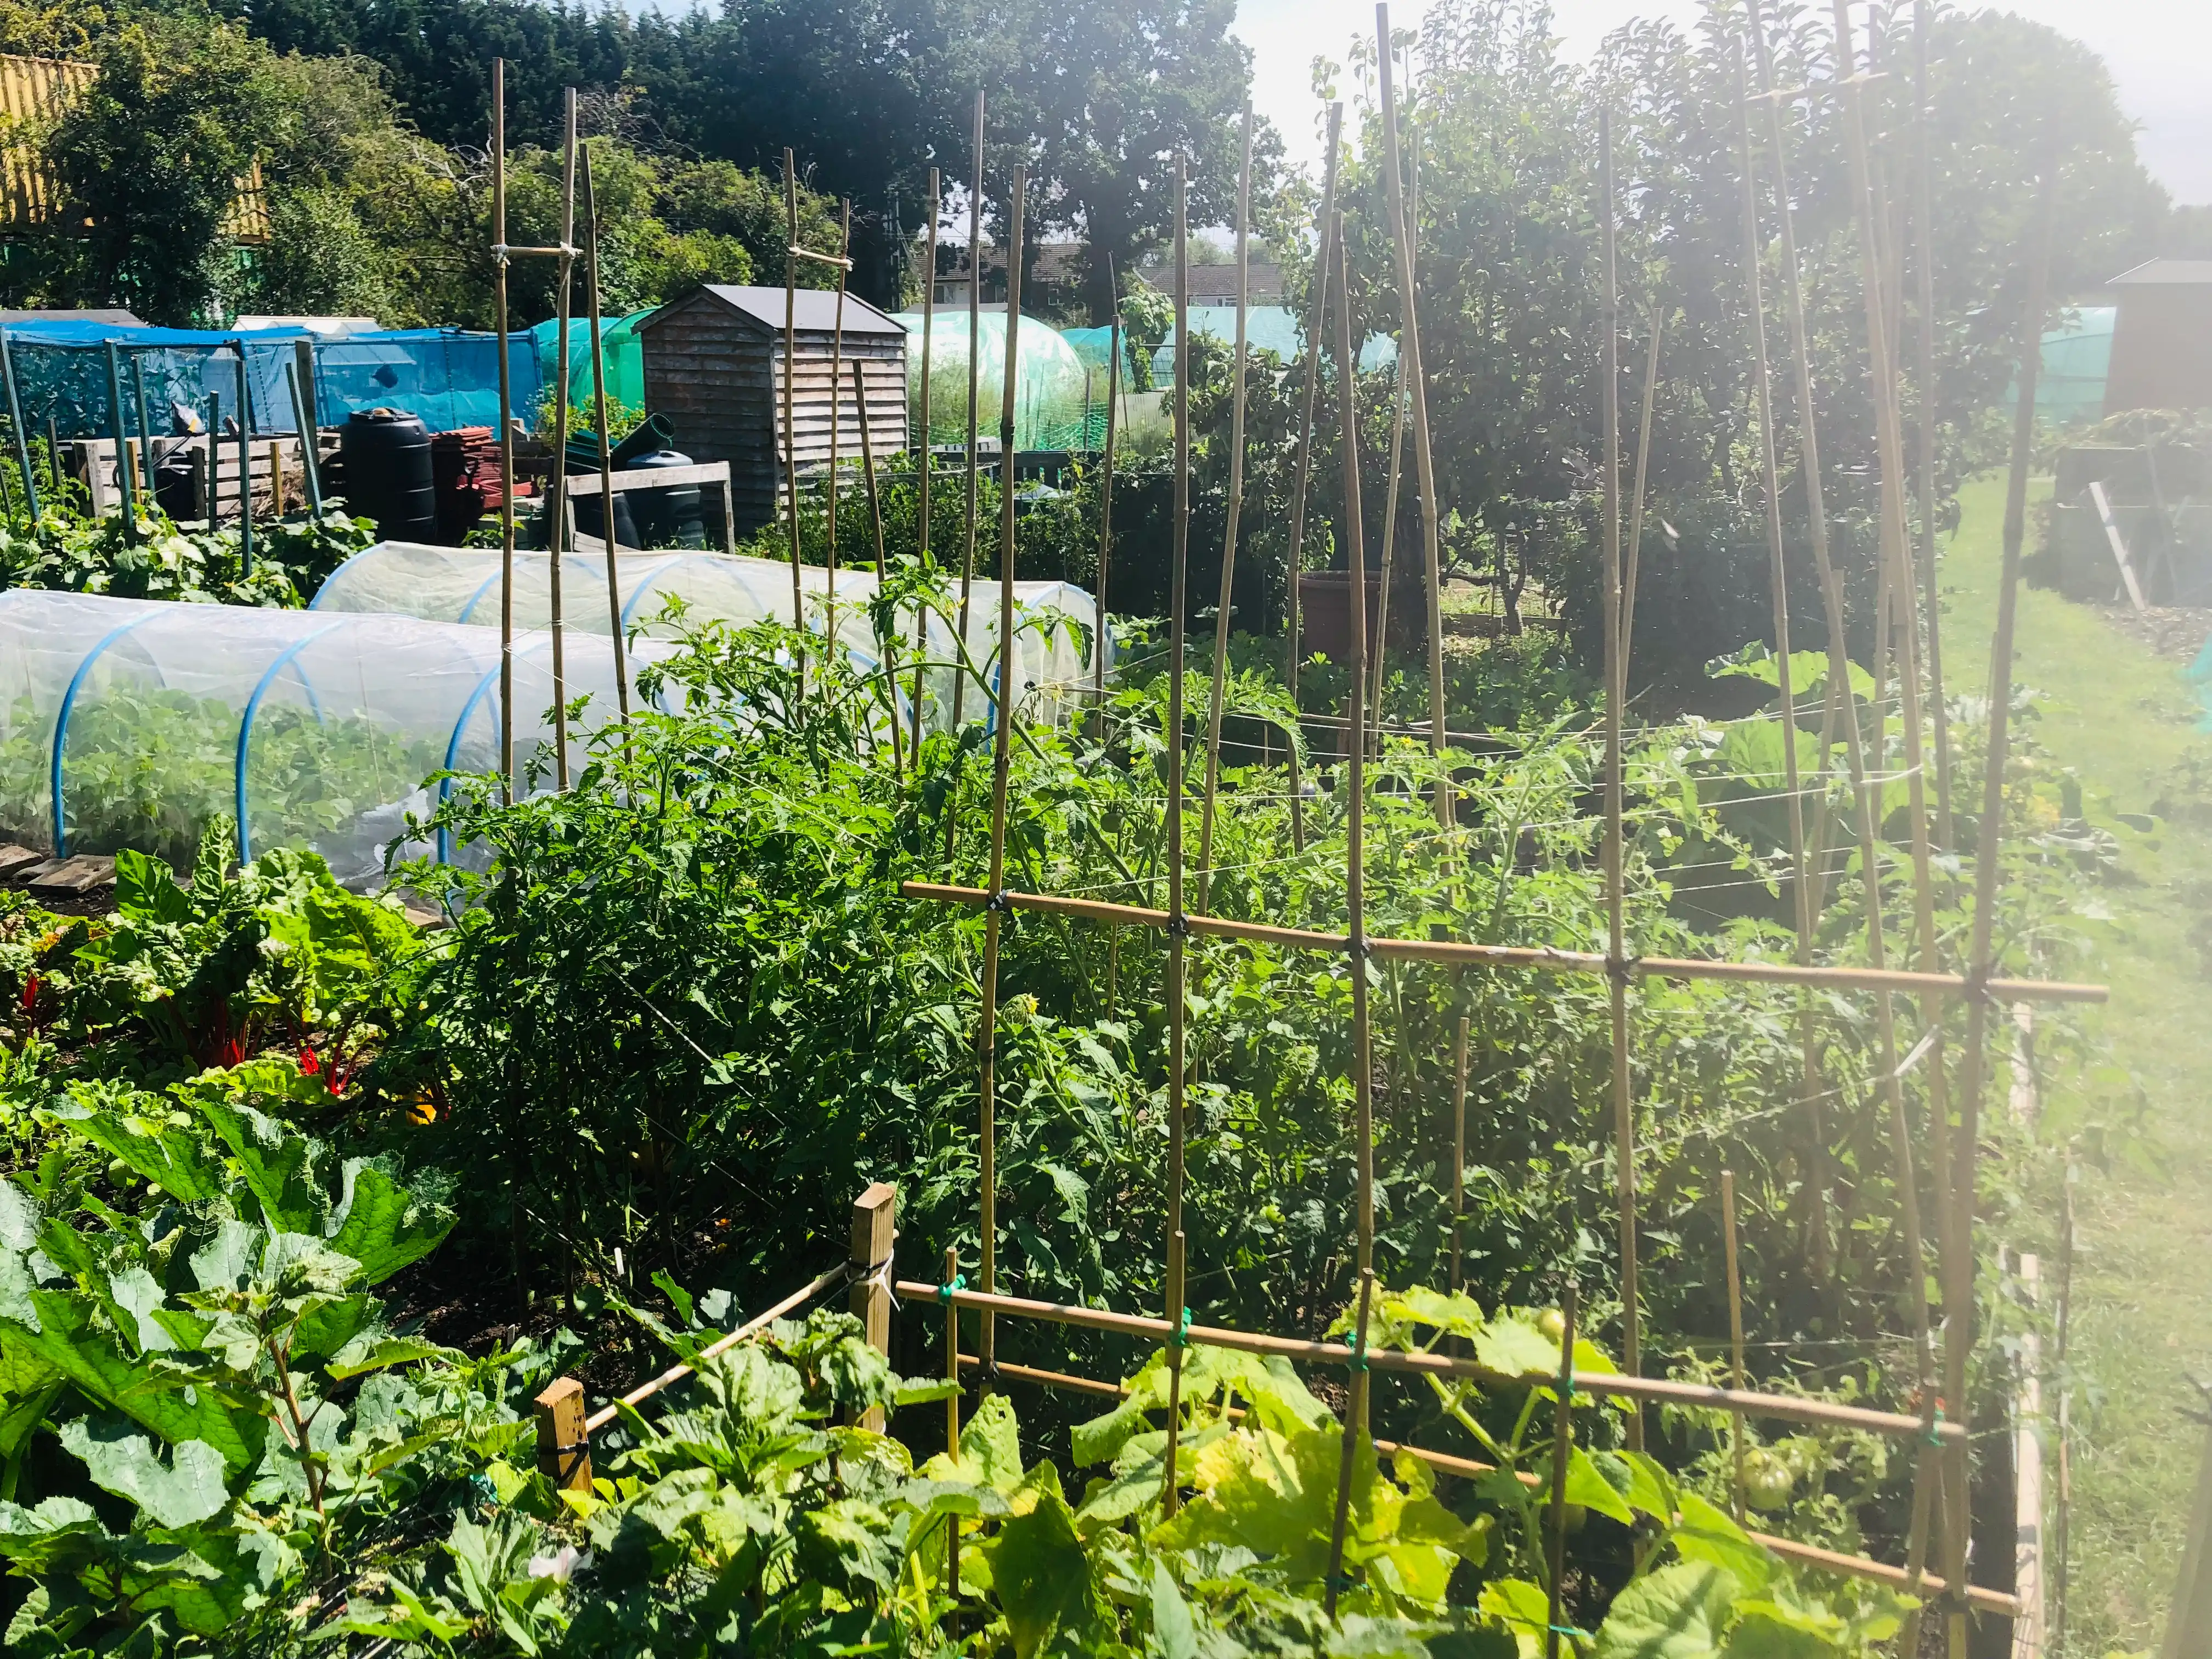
x=61, y=725
x=246, y=726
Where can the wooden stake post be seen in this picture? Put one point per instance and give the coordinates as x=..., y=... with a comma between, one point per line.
x=875, y=1224
x=564, y=1444
x=499, y=254
x=556, y=490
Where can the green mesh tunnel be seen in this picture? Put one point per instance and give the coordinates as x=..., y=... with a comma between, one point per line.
x=1056, y=404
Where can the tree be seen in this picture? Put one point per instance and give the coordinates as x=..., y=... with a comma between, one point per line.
x=1107, y=99
x=149, y=159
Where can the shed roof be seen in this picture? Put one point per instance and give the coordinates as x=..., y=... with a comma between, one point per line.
x=2190, y=273
x=813, y=308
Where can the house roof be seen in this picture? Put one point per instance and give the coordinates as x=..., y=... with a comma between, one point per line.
x=813, y=308
x=2191, y=273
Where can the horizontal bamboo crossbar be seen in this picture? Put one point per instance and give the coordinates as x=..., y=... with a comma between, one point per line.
x=1854, y=1566
x=644, y=1391
x=1540, y=959
x=1650, y=1390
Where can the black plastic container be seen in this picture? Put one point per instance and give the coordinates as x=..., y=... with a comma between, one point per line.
x=666, y=518
x=386, y=456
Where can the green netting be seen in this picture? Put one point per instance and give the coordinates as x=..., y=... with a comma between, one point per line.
x=1056, y=406
x=625, y=358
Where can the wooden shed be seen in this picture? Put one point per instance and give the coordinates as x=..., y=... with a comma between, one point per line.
x=2161, y=337
x=714, y=365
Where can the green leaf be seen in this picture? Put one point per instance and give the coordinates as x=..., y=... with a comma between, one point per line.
x=990, y=1445
x=1171, y=1624
x=1650, y=1488
x=1764, y=1630
x=1710, y=1535
x=370, y=1351
x=1043, y=1577
x=19, y=1217
x=1588, y=1487
x=1521, y=1607
x=189, y=1488
x=278, y=1165
x=1675, y=1613
x=60, y=1327
x=145, y=887
x=382, y=1225
x=925, y=1391
x=1099, y=1439
x=183, y=1167
x=1514, y=1347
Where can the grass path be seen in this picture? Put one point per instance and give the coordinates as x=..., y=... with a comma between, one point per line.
x=2135, y=1104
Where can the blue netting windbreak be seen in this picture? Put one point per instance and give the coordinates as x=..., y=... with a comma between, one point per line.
x=61, y=375
x=444, y=377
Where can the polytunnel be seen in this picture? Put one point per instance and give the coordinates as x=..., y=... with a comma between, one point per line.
x=462, y=585
x=128, y=723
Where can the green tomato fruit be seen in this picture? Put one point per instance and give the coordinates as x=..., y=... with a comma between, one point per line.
x=1552, y=1323
x=1767, y=1480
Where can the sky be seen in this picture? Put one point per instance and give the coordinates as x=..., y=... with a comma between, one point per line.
x=2159, y=52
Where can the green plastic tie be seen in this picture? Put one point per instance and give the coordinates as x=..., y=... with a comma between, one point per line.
x=1181, y=1336
x=1360, y=1350
x=1933, y=1434
x=945, y=1291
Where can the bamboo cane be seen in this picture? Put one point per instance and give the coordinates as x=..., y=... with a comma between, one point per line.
x=1106, y=503
x=1959, y=1296
x=1000, y=757
x=1735, y=1329
x=1563, y=1441
x=1323, y=230
x=1616, y=946
x=1391, y=491
x=1459, y=953
x=1613, y=1385
x=1356, y=770
x=1177, y=1289
x=1896, y=559
x=1409, y=353
x=1228, y=540
x=1636, y=499
x=1459, y=1144
x=557, y=490
x=790, y=428
x=952, y=1400
x=606, y=444
x=974, y=345
x=836, y=407
x=921, y=505
x=1924, y=264
x=1832, y=595
x=876, y=523
x=506, y=432
x=1778, y=578
x=1355, y=1423
x=1177, y=610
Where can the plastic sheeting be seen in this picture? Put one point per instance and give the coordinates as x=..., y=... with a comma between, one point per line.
x=126, y=723
x=1054, y=402
x=445, y=377
x=462, y=585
